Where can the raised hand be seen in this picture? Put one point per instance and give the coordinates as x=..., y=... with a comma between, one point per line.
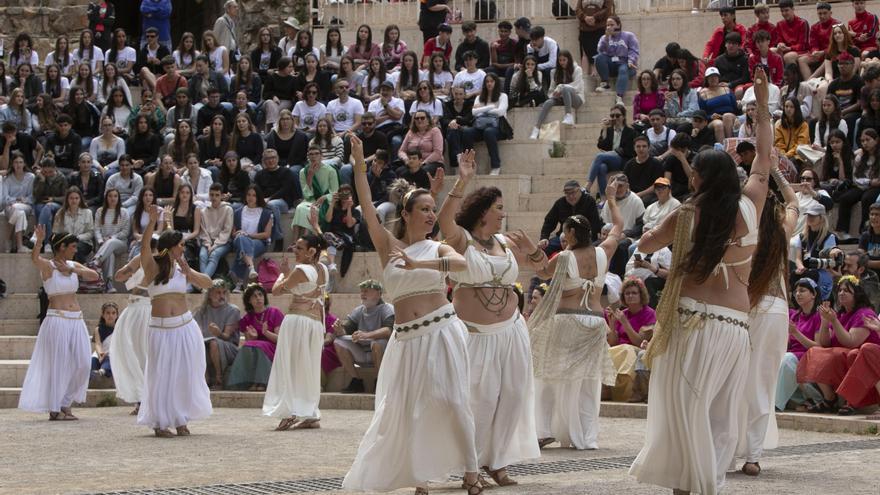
x=39, y=235
x=611, y=189
x=285, y=265
x=467, y=165
x=522, y=241
x=872, y=323
x=437, y=181
x=401, y=259
x=761, y=85
x=357, y=148
x=154, y=214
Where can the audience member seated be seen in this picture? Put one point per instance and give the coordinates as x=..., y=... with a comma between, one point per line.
x=839, y=337
x=652, y=269
x=820, y=39
x=112, y=227
x=566, y=88
x=649, y=97
x=657, y=211
x=630, y=329
x=575, y=201
x=865, y=184
x=804, y=323
x=318, y=182
x=289, y=143
x=308, y=111
x=12, y=140
x=413, y=172
x=198, y=178
x=425, y=100
x=389, y=111
x=440, y=77
x=259, y=325
x=363, y=49
x=618, y=56
x=847, y=88
x=248, y=81
x=17, y=201
x=733, y=65
x=234, y=180
x=101, y=336
x=502, y=51
x=50, y=189
x=251, y=232
x=140, y=218
x=218, y=320
x=375, y=75
x=381, y=178
x=279, y=91
x=808, y=191
x=793, y=34
x=616, y=140
x=345, y=112
x=488, y=110
x=361, y=337
x=863, y=28
x=164, y=181
x=659, y=136
x=65, y=145
x=830, y=70
x=342, y=226
x=545, y=50
x=681, y=101
x=869, y=242
x=427, y=139
x=76, y=219
x=526, y=86
x=762, y=55
x=186, y=218
x=215, y=232
x=89, y=181
x=630, y=205
x=393, y=47
x=372, y=140
x=791, y=130
x=642, y=170
x=332, y=148
x=245, y=141
x=677, y=167
x=797, y=88
x=702, y=133
x=665, y=65
x=715, y=47
x=474, y=43
x=15, y=111
x=816, y=238
x=470, y=77
x=719, y=103
x=692, y=66
x=281, y=189
x=214, y=143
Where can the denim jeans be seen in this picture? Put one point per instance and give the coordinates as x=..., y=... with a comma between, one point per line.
x=346, y=174
x=608, y=161
x=278, y=207
x=490, y=135
x=45, y=214
x=245, y=246
x=208, y=261
x=607, y=68
x=459, y=140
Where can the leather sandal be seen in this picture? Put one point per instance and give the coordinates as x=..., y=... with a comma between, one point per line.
x=183, y=431
x=286, y=423
x=470, y=487
x=68, y=415
x=543, y=442
x=136, y=410
x=162, y=433
x=55, y=416
x=500, y=476
x=307, y=424
x=421, y=491
x=751, y=468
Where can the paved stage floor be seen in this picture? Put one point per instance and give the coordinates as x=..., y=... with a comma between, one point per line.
x=105, y=451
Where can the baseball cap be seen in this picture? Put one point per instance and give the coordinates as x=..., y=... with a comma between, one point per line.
x=662, y=181
x=815, y=209
x=712, y=71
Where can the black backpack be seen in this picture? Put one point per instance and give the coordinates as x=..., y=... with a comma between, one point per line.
x=561, y=9
x=485, y=10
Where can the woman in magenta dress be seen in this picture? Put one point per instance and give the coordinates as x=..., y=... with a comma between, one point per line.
x=329, y=359
x=803, y=324
x=252, y=364
x=840, y=337
x=629, y=328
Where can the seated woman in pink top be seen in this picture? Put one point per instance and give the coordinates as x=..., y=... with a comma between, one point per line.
x=629, y=329
x=427, y=138
x=804, y=322
x=840, y=336
x=252, y=364
x=648, y=98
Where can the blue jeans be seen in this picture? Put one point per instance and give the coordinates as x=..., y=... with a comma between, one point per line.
x=278, y=207
x=245, y=246
x=608, y=161
x=45, y=214
x=459, y=140
x=208, y=261
x=346, y=174
x=605, y=67
x=102, y=365
x=490, y=136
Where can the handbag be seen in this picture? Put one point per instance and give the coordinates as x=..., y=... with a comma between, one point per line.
x=95, y=286
x=485, y=121
x=267, y=273
x=549, y=131
x=505, y=130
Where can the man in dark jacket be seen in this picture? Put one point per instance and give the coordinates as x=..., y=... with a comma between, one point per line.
x=574, y=202
x=373, y=141
x=733, y=64
x=50, y=188
x=65, y=146
x=281, y=189
x=471, y=42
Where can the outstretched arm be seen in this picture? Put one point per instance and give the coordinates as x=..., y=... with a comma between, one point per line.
x=792, y=211
x=380, y=236
x=453, y=234
x=147, y=260
x=756, y=185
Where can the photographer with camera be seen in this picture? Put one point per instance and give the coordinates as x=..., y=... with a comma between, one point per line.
x=814, y=240
x=853, y=263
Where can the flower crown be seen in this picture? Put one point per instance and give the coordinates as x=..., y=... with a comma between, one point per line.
x=849, y=278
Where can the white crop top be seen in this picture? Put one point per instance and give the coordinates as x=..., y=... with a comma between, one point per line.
x=575, y=281
x=58, y=284
x=136, y=280
x=750, y=216
x=176, y=284
x=400, y=283
x=310, y=290
x=486, y=270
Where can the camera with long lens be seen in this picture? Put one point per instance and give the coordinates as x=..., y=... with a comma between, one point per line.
x=829, y=263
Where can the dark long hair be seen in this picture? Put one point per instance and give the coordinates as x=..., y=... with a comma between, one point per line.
x=316, y=242
x=812, y=288
x=846, y=155
x=167, y=240
x=771, y=252
x=685, y=83
x=859, y=294
x=116, y=211
x=139, y=208
x=408, y=78
x=582, y=231
x=522, y=83
x=718, y=198
x=190, y=208
x=861, y=167
x=485, y=97
x=329, y=47
x=796, y=120
x=475, y=205
x=564, y=75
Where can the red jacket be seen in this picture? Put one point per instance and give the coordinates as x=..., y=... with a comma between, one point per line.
x=715, y=45
x=795, y=34
x=774, y=61
x=820, y=35
x=865, y=23
x=749, y=42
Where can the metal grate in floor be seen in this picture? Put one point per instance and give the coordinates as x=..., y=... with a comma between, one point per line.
x=518, y=470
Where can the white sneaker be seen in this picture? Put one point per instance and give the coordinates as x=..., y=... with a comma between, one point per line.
x=568, y=119
x=602, y=87
x=24, y=249
x=495, y=171
x=619, y=100
x=48, y=250
x=535, y=133
x=111, y=289
x=252, y=275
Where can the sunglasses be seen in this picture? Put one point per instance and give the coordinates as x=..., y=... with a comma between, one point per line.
x=419, y=118
x=311, y=92
x=151, y=36
x=615, y=115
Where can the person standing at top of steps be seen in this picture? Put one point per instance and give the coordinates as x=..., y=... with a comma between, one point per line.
x=58, y=372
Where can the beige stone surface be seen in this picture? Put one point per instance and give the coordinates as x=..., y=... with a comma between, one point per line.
x=107, y=451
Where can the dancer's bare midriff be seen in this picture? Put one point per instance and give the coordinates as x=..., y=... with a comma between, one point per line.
x=169, y=305
x=469, y=308
x=414, y=307
x=64, y=302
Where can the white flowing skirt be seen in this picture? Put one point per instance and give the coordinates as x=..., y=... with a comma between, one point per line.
x=422, y=428
x=567, y=409
x=175, y=390
x=58, y=373
x=695, y=391
x=502, y=392
x=768, y=332
x=129, y=349
x=294, y=387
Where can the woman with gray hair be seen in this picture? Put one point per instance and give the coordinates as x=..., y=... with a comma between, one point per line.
x=219, y=323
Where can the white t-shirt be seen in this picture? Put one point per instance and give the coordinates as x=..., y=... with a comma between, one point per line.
x=377, y=109
x=97, y=56
x=471, y=82
x=343, y=113
x=216, y=58
x=309, y=115
x=65, y=84
x=250, y=219
x=186, y=62
x=34, y=60
x=441, y=79
x=125, y=58
x=434, y=109
x=374, y=83
x=50, y=59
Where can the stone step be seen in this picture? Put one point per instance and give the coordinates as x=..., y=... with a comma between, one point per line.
x=12, y=372
x=539, y=201
x=16, y=347
x=554, y=183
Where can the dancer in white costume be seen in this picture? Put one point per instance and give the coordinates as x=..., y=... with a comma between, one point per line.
x=175, y=390
x=501, y=380
x=699, y=354
x=768, y=325
x=569, y=335
x=423, y=428
x=58, y=373
x=131, y=337
x=294, y=388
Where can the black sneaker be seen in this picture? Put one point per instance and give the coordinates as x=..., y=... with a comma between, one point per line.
x=355, y=387
x=279, y=246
